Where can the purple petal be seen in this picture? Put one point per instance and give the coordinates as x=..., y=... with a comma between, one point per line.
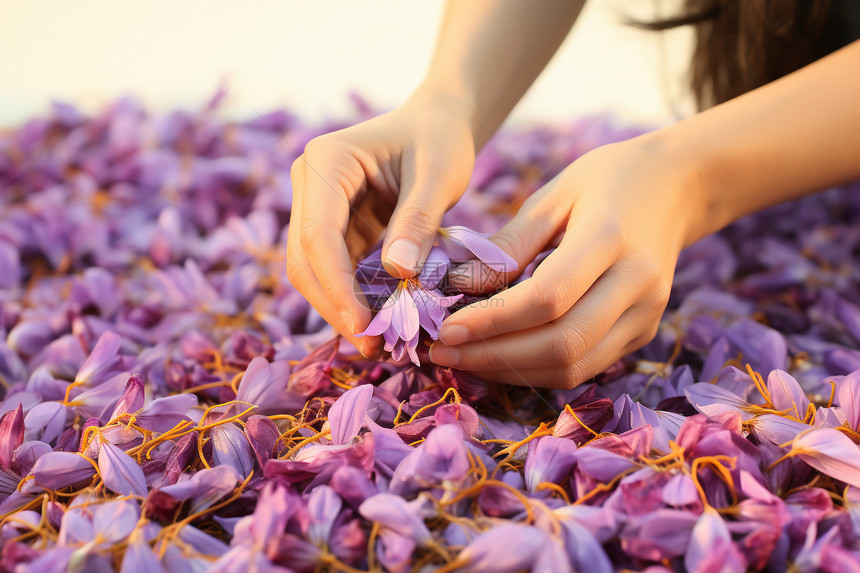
x=162, y=414
x=458, y=241
x=505, y=548
x=46, y=421
x=274, y=508
x=550, y=459
x=776, y=429
x=848, y=398
x=120, y=472
x=831, y=452
x=264, y=384
x=396, y=513
x=347, y=414
x=711, y=547
x=434, y=269
x=786, y=394
x=103, y=362
x=680, y=491
x=205, y=487
x=382, y=321
x=584, y=551
x=139, y=558
x=231, y=447
x=11, y=435
x=115, y=520
x=324, y=505
x=132, y=398
x=57, y=470
x=262, y=434
x=712, y=400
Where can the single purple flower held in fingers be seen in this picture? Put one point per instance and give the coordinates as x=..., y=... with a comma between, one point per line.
x=398, y=323
x=413, y=304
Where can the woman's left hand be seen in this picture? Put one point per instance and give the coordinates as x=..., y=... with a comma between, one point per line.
x=620, y=215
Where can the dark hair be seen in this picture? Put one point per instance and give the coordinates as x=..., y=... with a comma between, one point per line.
x=743, y=44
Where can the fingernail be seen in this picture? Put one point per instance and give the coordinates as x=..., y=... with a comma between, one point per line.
x=348, y=321
x=444, y=355
x=454, y=334
x=404, y=253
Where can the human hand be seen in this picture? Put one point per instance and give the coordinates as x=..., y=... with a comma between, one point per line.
x=620, y=214
x=416, y=160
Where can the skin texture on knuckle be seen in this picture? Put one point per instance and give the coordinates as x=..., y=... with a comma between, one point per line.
x=552, y=298
x=572, y=377
x=416, y=221
x=295, y=271
x=310, y=234
x=491, y=360
x=569, y=345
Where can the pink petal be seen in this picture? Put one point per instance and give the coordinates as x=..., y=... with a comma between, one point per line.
x=831, y=452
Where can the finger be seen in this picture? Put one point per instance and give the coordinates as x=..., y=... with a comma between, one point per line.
x=425, y=195
x=326, y=185
x=627, y=335
x=302, y=277
x=524, y=237
x=347, y=320
x=565, y=275
x=559, y=343
x=636, y=328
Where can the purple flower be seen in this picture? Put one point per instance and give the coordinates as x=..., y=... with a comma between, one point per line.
x=262, y=434
x=231, y=447
x=550, y=459
x=264, y=384
x=205, y=487
x=397, y=321
x=408, y=305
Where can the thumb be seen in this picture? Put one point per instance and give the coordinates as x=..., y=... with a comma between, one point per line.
x=531, y=231
x=414, y=224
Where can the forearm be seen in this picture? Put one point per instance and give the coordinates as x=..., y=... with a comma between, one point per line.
x=793, y=137
x=490, y=51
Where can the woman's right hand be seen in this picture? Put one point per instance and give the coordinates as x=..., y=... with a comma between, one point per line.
x=416, y=160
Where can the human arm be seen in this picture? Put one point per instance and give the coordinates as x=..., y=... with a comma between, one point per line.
x=625, y=211
x=417, y=158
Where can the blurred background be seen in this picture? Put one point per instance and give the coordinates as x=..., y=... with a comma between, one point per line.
x=307, y=56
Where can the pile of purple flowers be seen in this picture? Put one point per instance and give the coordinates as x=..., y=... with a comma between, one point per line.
x=171, y=403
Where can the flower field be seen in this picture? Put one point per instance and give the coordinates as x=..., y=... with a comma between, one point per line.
x=171, y=403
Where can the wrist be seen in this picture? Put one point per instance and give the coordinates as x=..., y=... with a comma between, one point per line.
x=699, y=188
x=455, y=102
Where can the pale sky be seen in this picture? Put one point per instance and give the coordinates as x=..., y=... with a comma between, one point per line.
x=308, y=55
